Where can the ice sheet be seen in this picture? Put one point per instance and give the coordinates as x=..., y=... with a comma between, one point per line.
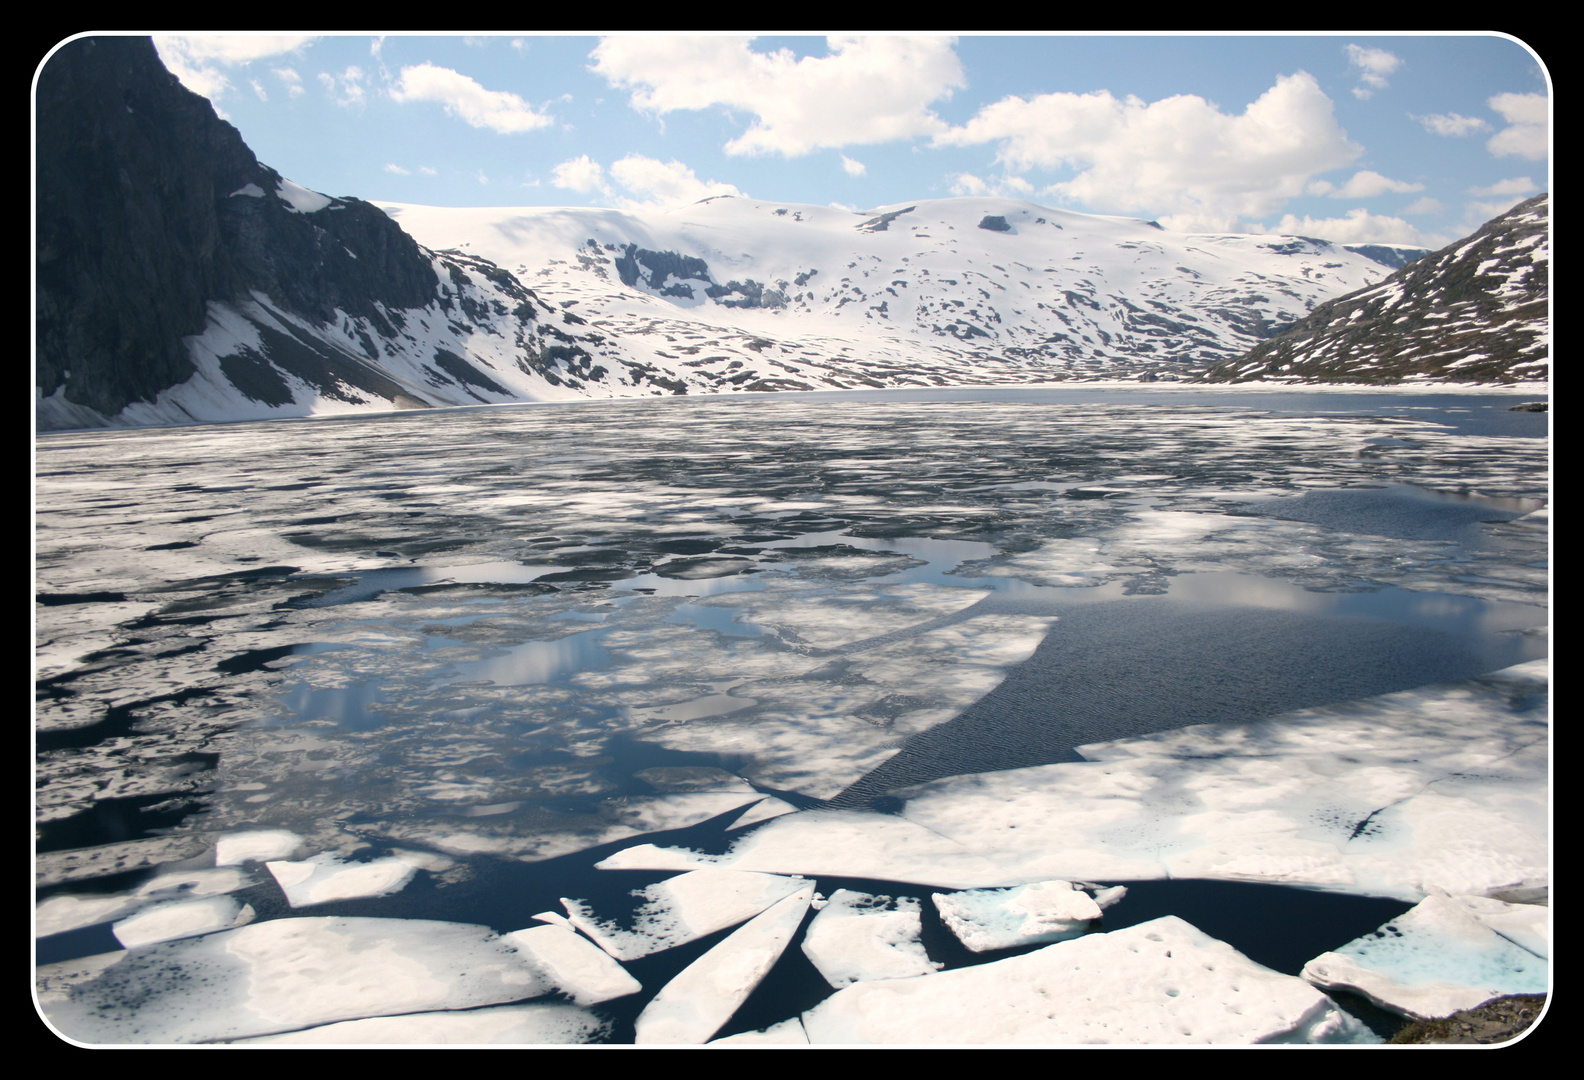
x=292, y=973
x=325, y=878
x=834, y=844
x=1157, y=983
x=540, y=1024
x=1438, y=788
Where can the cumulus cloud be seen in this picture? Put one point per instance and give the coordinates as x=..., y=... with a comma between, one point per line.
x=1373, y=66
x=853, y=168
x=1366, y=184
x=392, y=167
x=661, y=183
x=1518, y=185
x=1357, y=226
x=867, y=90
x=1526, y=132
x=582, y=174
x=1451, y=124
x=1180, y=156
x=466, y=100
x=1426, y=205
x=969, y=184
x=198, y=60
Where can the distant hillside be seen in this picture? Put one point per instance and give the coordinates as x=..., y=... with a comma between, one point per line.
x=1475, y=311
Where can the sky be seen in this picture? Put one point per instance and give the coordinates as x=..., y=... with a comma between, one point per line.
x=1356, y=139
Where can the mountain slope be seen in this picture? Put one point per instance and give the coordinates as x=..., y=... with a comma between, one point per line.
x=179, y=279
x=1475, y=311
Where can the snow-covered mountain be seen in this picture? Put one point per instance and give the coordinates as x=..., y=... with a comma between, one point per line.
x=181, y=280
x=736, y=293
x=1476, y=311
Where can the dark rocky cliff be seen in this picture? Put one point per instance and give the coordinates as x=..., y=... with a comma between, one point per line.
x=150, y=206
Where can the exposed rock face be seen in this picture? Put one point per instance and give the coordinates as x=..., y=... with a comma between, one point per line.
x=141, y=224
x=1475, y=311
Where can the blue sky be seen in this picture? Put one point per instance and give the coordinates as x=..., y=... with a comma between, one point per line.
x=1406, y=139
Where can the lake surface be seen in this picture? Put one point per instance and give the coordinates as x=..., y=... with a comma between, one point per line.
x=514, y=639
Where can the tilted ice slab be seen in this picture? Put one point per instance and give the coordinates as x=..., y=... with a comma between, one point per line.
x=684, y=908
x=541, y=1023
x=294, y=973
x=1443, y=787
x=693, y=1006
x=1433, y=961
x=573, y=964
x=842, y=843
x=985, y=919
x=181, y=919
x=324, y=878
x=1160, y=982
x=858, y=936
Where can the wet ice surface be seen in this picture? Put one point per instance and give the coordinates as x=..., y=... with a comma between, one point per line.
x=417, y=650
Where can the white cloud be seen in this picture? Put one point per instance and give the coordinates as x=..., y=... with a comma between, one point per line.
x=1426, y=205
x=293, y=81
x=1180, y=156
x=197, y=60
x=392, y=167
x=579, y=174
x=853, y=168
x=426, y=170
x=1366, y=184
x=1518, y=185
x=482, y=177
x=1451, y=124
x=258, y=88
x=346, y=88
x=1357, y=226
x=867, y=90
x=1373, y=66
x=968, y=184
x=466, y=100
x=659, y=183
x=1526, y=133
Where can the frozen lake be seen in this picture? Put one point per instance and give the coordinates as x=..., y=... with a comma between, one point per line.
x=492, y=647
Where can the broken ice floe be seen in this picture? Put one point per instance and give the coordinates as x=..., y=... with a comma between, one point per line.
x=786, y=1033
x=693, y=1006
x=834, y=843
x=181, y=919
x=858, y=936
x=293, y=973
x=682, y=909
x=1161, y=982
x=1443, y=956
x=985, y=919
x=573, y=964
x=324, y=878
x=261, y=845
x=65, y=911
x=540, y=1023
x=1443, y=787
